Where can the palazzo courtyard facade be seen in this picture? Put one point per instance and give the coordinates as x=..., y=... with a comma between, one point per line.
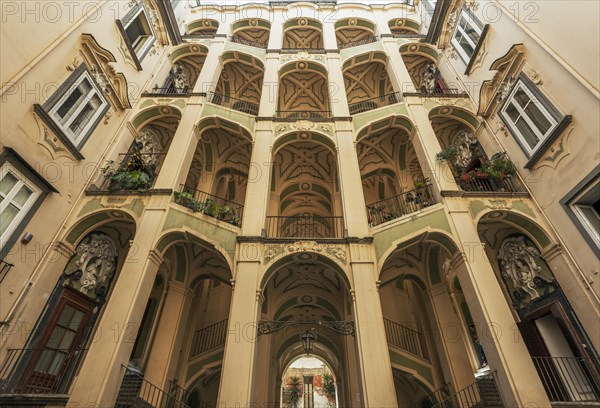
x=195, y=195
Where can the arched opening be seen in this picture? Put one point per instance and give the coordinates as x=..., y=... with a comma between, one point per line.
x=306, y=291
x=392, y=179
x=66, y=327
x=420, y=61
x=303, y=91
x=203, y=28
x=350, y=32
x=308, y=382
x=561, y=350
x=216, y=181
x=302, y=34
x=305, y=198
x=367, y=82
x=240, y=83
x=253, y=32
x=187, y=61
x=471, y=167
x=404, y=27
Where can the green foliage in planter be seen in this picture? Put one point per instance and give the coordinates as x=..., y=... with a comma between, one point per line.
x=449, y=153
x=294, y=387
x=188, y=200
x=499, y=166
x=328, y=387
x=125, y=178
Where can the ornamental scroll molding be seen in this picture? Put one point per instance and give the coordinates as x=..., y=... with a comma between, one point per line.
x=451, y=18
x=303, y=56
x=94, y=265
x=494, y=91
x=335, y=252
x=114, y=84
x=522, y=271
x=340, y=327
x=303, y=125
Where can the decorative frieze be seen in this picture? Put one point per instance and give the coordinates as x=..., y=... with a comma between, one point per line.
x=333, y=251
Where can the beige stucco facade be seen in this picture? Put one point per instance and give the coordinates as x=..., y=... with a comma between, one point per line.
x=293, y=185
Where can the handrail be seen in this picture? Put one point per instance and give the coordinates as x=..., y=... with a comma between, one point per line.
x=5, y=267
x=437, y=92
x=404, y=337
x=568, y=379
x=397, y=206
x=144, y=390
x=209, y=204
x=304, y=114
x=366, y=40
x=374, y=103
x=481, y=393
x=168, y=91
x=227, y=101
x=242, y=41
x=209, y=338
x=309, y=226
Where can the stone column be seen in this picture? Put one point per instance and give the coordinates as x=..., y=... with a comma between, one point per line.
x=237, y=378
x=396, y=68
x=102, y=371
x=211, y=70
x=374, y=358
x=427, y=145
x=270, y=90
x=276, y=33
x=257, y=191
x=451, y=339
x=353, y=199
x=329, y=40
x=338, y=102
x=503, y=345
x=166, y=345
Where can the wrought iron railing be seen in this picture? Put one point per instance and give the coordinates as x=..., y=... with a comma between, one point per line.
x=400, y=205
x=50, y=373
x=568, y=379
x=484, y=183
x=363, y=41
x=169, y=91
x=309, y=226
x=483, y=393
x=303, y=114
x=437, y=92
x=135, y=172
x=209, y=204
x=137, y=391
x=4, y=269
x=309, y=50
x=441, y=393
x=408, y=35
x=241, y=105
x=209, y=338
x=198, y=36
x=243, y=41
x=374, y=103
x=404, y=338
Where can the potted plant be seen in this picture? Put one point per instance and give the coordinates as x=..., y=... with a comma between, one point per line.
x=500, y=166
x=126, y=177
x=450, y=154
x=188, y=200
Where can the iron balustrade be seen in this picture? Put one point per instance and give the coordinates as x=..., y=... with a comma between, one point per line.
x=366, y=40
x=486, y=184
x=374, y=103
x=308, y=50
x=404, y=338
x=407, y=35
x=568, y=379
x=4, y=269
x=395, y=207
x=49, y=374
x=242, y=41
x=234, y=103
x=483, y=393
x=304, y=114
x=135, y=164
x=437, y=92
x=209, y=338
x=309, y=226
x=198, y=36
x=211, y=205
x=135, y=389
x=169, y=91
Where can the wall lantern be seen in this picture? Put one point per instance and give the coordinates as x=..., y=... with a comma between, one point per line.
x=308, y=340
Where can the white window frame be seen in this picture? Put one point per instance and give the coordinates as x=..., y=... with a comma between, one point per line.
x=577, y=206
x=25, y=208
x=77, y=138
x=521, y=85
x=474, y=24
x=148, y=38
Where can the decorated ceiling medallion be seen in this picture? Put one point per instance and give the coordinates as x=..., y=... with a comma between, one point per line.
x=253, y=22
x=352, y=21
x=304, y=136
x=195, y=48
x=302, y=22
x=206, y=23
x=165, y=110
x=445, y=110
x=400, y=22
x=307, y=299
x=301, y=65
x=305, y=187
x=413, y=47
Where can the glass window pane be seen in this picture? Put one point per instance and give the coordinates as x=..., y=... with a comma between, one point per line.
x=468, y=48
x=472, y=33
x=44, y=361
x=56, y=337
x=521, y=97
x=82, y=119
x=8, y=183
x=538, y=118
x=22, y=196
x=66, y=316
x=57, y=363
x=592, y=217
x=69, y=103
x=512, y=112
x=67, y=340
x=76, y=320
x=527, y=134
x=7, y=216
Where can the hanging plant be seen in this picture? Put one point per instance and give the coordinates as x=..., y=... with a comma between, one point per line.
x=449, y=153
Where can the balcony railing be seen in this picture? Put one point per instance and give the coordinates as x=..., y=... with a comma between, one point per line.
x=234, y=103
x=309, y=226
x=484, y=183
x=136, y=391
x=49, y=374
x=404, y=338
x=309, y=50
x=209, y=338
x=568, y=379
x=483, y=393
x=4, y=269
x=400, y=205
x=367, y=40
x=304, y=114
x=242, y=41
x=211, y=205
x=136, y=172
x=169, y=91
x=374, y=103
x=437, y=92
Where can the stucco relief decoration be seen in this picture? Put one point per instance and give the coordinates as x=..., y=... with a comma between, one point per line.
x=180, y=78
x=302, y=55
x=521, y=270
x=95, y=265
x=149, y=145
x=464, y=141
x=335, y=252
